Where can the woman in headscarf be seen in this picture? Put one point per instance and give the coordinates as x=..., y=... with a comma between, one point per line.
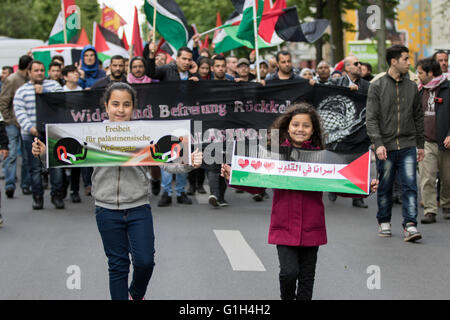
x=89, y=69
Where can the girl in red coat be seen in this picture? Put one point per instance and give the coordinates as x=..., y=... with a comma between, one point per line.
x=297, y=223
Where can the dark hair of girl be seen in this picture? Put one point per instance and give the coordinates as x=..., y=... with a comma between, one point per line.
x=283, y=121
x=122, y=87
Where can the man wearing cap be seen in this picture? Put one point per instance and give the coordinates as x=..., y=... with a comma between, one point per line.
x=243, y=71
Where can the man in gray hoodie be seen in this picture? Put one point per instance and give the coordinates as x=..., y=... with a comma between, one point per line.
x=395, y=125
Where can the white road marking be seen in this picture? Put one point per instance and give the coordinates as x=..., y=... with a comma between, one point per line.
x=239, y=253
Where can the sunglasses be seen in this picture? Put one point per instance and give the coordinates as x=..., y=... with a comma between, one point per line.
x=357, y=63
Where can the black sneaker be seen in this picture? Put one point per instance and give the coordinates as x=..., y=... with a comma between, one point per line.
x=38, y=202
x=359, y=203
x=58, y=202
x=332, y=196
x=223, y=203
x=156, y=187
x=75, y=197
x=26, y=191
x=165, y=200
x=201, y=190
x=9, y=193
x=258, y=197
x=191, y=190
x=1, y=220
x=239, y=191
x=184, y=199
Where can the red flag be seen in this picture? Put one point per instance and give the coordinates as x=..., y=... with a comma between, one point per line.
x=125, y=41
x=111, y=20
x=99, y=40
x=136, y=40
x=205, y=44
x=269, y=19
x=83, y=39
x=218, y=24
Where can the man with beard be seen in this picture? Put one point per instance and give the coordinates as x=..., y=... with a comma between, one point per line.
x=285, y=69
x=323, y=73
x=25, y=109
x=434, y=93
x=117, y=69
x=395, y=125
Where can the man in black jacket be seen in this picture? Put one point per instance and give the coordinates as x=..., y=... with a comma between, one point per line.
x=435, y=98
x=395, y=125
x=117, y=68
x=352, y=79
x=172, y=72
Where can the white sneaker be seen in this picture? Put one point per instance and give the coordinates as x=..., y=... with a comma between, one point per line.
x=410, y=232
x=384, y=229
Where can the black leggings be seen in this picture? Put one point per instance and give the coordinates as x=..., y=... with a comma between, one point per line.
x=297, y=264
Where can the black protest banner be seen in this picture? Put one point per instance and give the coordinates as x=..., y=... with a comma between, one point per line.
x=220, y=110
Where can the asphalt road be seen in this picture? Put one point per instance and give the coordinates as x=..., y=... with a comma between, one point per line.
x=204, y=253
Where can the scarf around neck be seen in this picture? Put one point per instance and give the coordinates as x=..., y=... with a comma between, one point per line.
x=433, y=84
x=132, y=79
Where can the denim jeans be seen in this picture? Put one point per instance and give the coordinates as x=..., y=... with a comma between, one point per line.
x=217, y=183
x=124, y=232
x=34, y=166
x=86, y=173
x=56, y=181
x=403, y=162
x=166, y=182
x=297, y=271
x=10, y=164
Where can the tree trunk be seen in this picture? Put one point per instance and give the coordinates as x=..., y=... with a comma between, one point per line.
x=337, y=33
x=319, y=43
x=381, y=38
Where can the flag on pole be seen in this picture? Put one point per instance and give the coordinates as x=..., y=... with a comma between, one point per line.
x=276, y=26
x=136, y=40
x=107, y=43
x=246, y=28
x=71, y=19
x=170, y=22
x=111, y=20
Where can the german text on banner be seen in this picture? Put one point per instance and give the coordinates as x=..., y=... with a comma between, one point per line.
x=304, y=170
x=131, y=143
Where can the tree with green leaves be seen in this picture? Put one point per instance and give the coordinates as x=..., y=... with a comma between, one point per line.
x=38, y=17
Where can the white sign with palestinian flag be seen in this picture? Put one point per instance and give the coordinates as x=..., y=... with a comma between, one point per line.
x=131, y=143
x=312, y=171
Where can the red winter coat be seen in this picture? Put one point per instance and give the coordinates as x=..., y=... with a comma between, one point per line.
x=298, y=217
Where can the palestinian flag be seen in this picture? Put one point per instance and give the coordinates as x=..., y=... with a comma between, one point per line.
x=70, y=52
x=304, y=170
x=71, y=19
x=107, y=43
x=277, y=25
x=170, y=22
x=246, y=30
